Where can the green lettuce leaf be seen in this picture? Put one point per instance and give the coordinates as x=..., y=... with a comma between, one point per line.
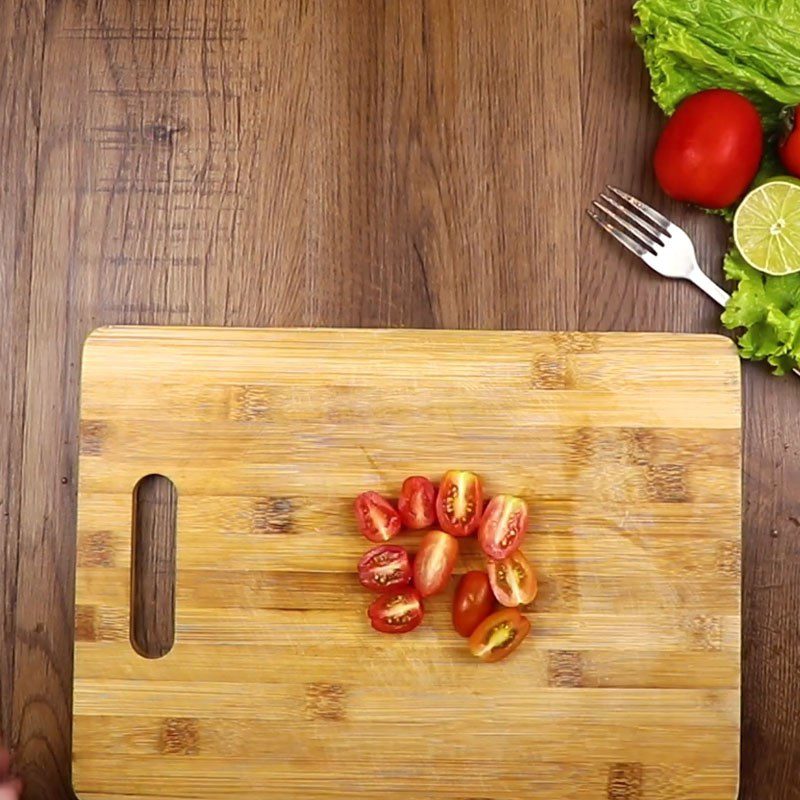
x=766, y=308
x=751, y=47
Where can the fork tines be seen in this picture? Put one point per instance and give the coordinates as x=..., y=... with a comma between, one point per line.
x=636, y=225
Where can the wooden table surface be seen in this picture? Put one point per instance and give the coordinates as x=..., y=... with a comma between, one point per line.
x=330, y=162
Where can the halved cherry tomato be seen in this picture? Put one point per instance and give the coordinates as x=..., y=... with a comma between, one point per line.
x=417, y=503
x=384, y=568
x=377, y=518
x=503, y=526
x=499, y=635
x=472, y=602
x=513, y=579
x=397, y=612
x=434, y=562
x=459, y=504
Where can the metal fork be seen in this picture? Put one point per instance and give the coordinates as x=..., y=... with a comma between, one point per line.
x=661, y=244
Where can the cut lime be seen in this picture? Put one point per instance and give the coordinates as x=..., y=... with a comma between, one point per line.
x=766, y=227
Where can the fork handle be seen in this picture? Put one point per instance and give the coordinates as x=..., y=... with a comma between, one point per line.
x=702, y=281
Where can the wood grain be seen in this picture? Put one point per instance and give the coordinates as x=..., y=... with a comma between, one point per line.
x=21, y=42
x=270, y=630
x=338, y=162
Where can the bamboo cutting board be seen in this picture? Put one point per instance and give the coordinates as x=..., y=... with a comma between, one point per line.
x=627, y=449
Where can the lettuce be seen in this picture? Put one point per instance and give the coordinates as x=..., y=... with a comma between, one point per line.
x=751, y=47
x=767, y=308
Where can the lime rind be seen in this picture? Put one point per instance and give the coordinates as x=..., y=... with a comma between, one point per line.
x=766, y=227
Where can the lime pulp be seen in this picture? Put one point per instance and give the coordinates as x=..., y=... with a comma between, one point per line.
x=766, y=227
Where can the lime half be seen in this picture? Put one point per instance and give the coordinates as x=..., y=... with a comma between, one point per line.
x=766, y=227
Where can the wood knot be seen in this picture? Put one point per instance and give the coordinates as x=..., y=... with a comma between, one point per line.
x=96, y=550
x=576, y=342
x=550, y=373
x=273, y=515
x=567, y=588
x=637, y=444
x=583, y=445
x=161, y=134
x=86, y=624
x=179, y=736
x=325, y=701
x=665, y=483
x=250, y=403
x=705, y=632
x=624, y=782
x=92, y=437
x=564, y=668
x=729, y=559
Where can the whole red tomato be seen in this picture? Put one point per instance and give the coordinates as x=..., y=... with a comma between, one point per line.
x=434, y=562
x=789, y=147
x=472, y=602
x=710, y=150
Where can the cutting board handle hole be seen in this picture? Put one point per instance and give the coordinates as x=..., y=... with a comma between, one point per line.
x=155, y=515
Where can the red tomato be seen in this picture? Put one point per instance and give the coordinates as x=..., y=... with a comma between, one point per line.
x=377, y=518
x=417, y=503
x=513, y=580
x=710, y=150
x=434, y=562
x=384, y=568
x=472, y=602
x=503, y=526
x=459, y=504
x=499, y=635
x=397, y=612
x=789, y=147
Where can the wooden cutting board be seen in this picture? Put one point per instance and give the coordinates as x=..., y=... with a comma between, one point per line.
x=627, y=449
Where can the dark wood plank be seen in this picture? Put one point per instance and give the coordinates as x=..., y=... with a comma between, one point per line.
x=618, y=292
x=771, y=564
x=21, y=36
x=620, y=128
x=440, y=143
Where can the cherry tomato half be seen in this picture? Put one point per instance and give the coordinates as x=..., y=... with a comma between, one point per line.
x=710, y=149
x=459, y=504
x=377, y=518
x=434, y=562
x=499, y=635
x=513, y=580
x=397, y=612
x=417, y=503
x=503, y=526
x=384, y=568
x=472, y=602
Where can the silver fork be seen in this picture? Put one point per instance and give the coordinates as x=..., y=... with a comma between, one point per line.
x=661, y=244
